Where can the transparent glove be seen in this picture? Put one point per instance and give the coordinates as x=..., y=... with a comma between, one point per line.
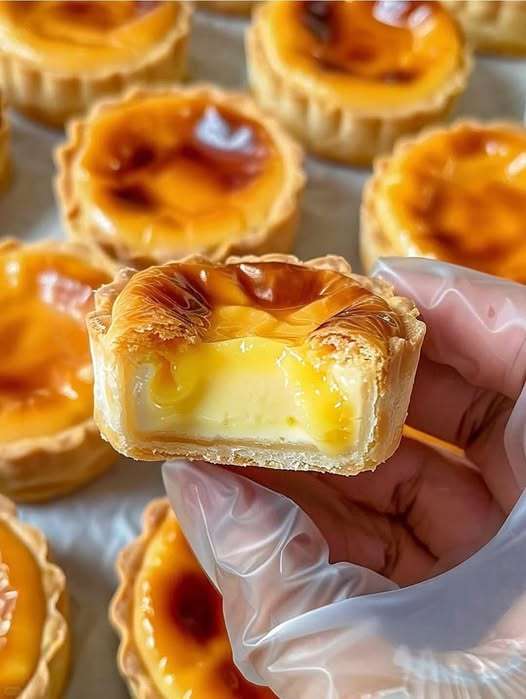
x=407, y=582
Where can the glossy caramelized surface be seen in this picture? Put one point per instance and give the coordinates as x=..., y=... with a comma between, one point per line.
x=460, y=195
x=171, y=174
x=179, y=627
x=45, y=366
x=87, y=35
x=365, y=53
x=20, y=649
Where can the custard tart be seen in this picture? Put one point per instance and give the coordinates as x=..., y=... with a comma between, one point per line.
x=264, y=361
x=493, y=26
x=49, y=443
x=34, y=635
x=348, y=78
x=4, y=146
x=162, y=174
x=456, y=194
x=58, y=56
x=169, y=617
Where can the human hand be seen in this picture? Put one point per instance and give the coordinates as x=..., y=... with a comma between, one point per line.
x=419, y=514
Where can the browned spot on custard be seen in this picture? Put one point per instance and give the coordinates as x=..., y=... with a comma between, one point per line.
x=134, y=195
x=128, y=154
x=195, y=607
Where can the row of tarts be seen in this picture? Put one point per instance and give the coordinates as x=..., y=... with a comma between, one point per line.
x=158, y=174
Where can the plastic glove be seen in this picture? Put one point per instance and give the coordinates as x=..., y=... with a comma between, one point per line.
x=386, y=624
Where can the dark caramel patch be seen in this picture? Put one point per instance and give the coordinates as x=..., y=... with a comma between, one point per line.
x=134, y=195
x=129, y=154
x=195, y=607
x=318, y=16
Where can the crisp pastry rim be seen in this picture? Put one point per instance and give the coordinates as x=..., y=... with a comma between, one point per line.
x=398, y=367
x=32, y=469
x=128, y=565
x=371, y=228
x=5, y=165
x=55, y=646
x=277, y=232
x=330, y=129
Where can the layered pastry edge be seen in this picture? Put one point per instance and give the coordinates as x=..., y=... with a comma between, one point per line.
x=54, y=97
x=389, y=373
x=50, y=674
x=276, y=233
x=336, y=131
x=40, y=468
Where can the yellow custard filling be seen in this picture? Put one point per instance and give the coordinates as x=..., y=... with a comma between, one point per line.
x=84, y=37
x=178, y=625
x=168, y=175
x=460, y=195
x=360, y=53
x=45, y=366
x=20, y=652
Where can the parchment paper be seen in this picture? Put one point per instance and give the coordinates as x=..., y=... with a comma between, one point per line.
x=87, y=529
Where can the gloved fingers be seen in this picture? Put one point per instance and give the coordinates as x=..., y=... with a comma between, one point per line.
x=476, y=323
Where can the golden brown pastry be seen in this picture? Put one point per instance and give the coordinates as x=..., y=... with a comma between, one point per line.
x=169, y=618
x=34, y=635
x=266, y=361
x=49, y=443
x=348, y=78
x=4, y=146
x=162, y=174
x=57, y=57
x=493, y=26
x=456, y=194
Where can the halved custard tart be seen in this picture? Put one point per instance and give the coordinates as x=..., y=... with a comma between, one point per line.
x=58, y=56
x=34, y=635
x=264, y=361
x=49, y=443
x=159, y=175
x=174, y=644
x=493, y=26
x=349, y=77
x=456, y=194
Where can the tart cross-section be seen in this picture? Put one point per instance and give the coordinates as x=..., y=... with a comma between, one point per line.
x=49, y=443
x=265, y=361
x=162, y=174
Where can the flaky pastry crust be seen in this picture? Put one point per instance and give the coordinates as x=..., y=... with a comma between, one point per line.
x=50, y=675
x=53, y=98
x=395, y=366
x=41, y=468
x=332, y=130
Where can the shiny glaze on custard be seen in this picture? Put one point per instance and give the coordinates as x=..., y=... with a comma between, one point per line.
x=20, y=645
x=461, y=196
x=87, y=34
x=179, y=627
x=367, y=51
x=169, y=174
x=45, y=366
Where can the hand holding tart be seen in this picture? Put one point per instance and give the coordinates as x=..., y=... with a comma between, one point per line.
x=34, y=636
x=456, y=194
x=263, y=361
x=169, y=616
x=57, y=57
x=348, y=78
x=162, y=174
x=49, y=444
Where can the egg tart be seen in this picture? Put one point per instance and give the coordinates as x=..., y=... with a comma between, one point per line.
x=493, y=26
x=229, y=7
x=58, y=56
x=169, y=616
x=34, y=635
x=162, y=174
x=4, y=146
x=348, y=78
x=264, y=361
x=49, y=443
x=456, y=194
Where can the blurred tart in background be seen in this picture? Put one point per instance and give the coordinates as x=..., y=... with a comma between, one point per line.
x=49, y=444
x=5, y=165
x=57, y=57
x=170, y=621
x=34, y=635
x=161, y=174
x=349, y=77
x=228, y=7
x=493, y=26
x=456, y=194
